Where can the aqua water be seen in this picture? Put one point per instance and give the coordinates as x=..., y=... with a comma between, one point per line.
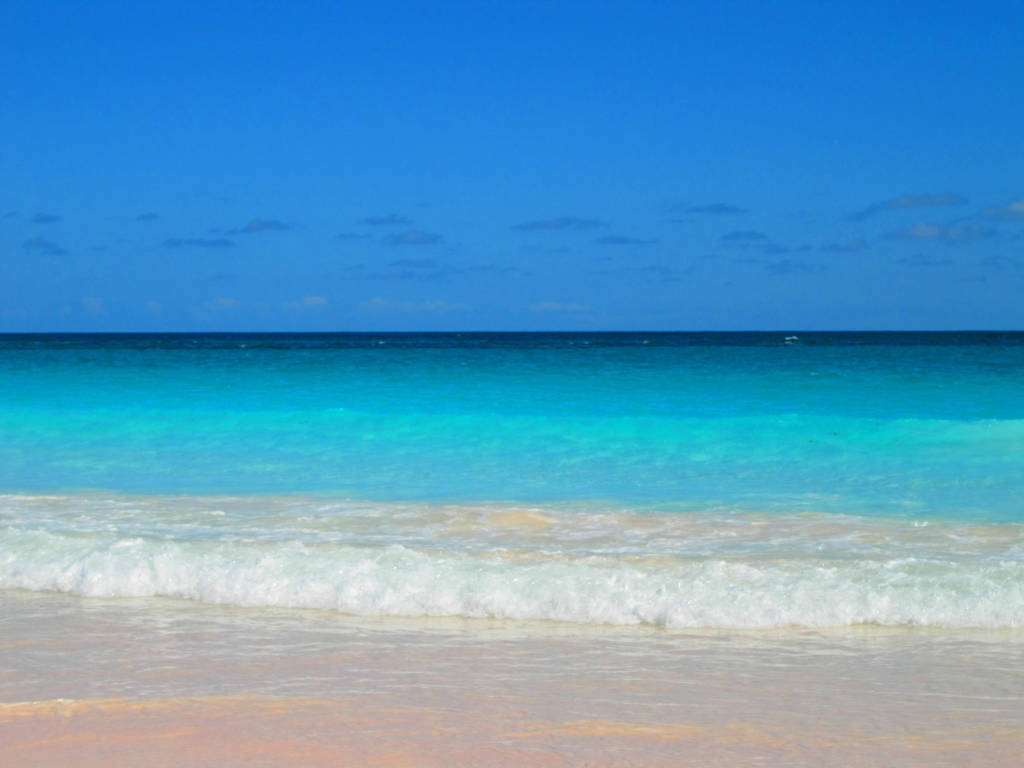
x=671, y=479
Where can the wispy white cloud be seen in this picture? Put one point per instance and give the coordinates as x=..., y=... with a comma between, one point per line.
x=413, y=237
x=942, y=233
x=658, y=273
x=414, y=263
x=391, y=220
x=40, y=246
x=562, y=222
x=558, y=306
x=306, y=303
x=426, y=270
x=222, y=303
x=262, y=225
x=198, y=242
x=93, y=305
x=717, y=209
x=922, y=260
x=1011, y=212
x=906, y=203
x=378, y=304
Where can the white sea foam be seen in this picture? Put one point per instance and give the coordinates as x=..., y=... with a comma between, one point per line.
x=715, y=569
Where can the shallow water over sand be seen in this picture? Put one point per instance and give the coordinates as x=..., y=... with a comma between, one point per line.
x=259, y=686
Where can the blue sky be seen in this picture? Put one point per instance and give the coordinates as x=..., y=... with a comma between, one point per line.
x=513, y=165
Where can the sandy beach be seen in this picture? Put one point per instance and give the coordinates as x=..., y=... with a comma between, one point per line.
x=142, y=682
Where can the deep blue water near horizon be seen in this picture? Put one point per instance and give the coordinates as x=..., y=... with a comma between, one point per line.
x=900, y=423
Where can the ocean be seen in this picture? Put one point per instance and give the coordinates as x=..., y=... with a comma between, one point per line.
x=671, y=479
x=522, y=500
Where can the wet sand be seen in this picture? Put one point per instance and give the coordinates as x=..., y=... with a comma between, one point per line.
x=157, y=682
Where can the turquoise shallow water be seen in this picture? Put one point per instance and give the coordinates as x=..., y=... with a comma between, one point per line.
x=925, y=425
x=670, y=479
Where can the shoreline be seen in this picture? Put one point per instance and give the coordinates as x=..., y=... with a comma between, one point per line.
x=107, y=681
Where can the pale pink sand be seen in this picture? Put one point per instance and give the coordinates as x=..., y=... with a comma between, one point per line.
x=258, y=730
x=157, y=683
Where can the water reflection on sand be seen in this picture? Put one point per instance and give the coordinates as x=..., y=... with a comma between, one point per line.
x=97, y=680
